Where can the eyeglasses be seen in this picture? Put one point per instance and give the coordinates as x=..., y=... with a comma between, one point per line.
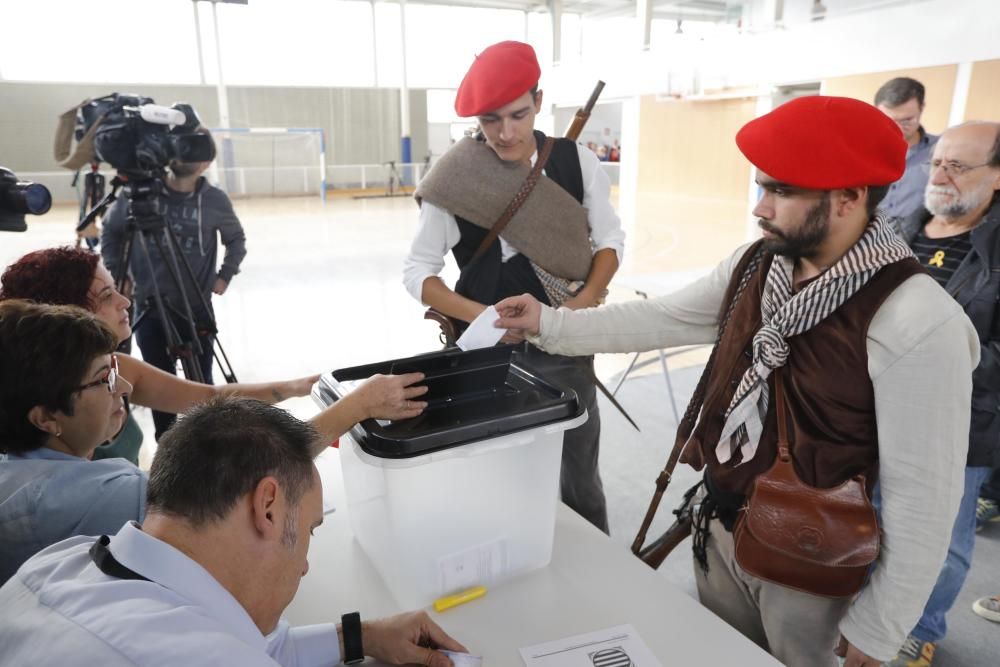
x=111, y=379
x=953, y=168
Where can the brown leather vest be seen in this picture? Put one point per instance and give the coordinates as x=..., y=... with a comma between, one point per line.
x=831, y=400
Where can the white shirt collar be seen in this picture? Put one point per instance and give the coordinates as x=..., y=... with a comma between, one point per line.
x=163, y=564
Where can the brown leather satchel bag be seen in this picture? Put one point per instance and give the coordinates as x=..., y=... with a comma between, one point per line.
x=820, y=541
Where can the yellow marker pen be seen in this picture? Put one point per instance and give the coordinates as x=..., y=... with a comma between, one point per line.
x=449, y=601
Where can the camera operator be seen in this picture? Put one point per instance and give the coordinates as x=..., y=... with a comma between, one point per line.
x=199, y=215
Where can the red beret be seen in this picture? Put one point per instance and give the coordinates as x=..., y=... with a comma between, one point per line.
x=498, y=76
x=825, y=143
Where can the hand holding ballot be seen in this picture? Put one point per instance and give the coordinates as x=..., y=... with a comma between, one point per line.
x=519, y=314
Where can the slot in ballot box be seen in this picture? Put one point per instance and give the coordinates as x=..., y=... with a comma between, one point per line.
x=466, y=493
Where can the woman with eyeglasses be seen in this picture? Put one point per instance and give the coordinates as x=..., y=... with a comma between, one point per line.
x=60, y=398
x=73, y=276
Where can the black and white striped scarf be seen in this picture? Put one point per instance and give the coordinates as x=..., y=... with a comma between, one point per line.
x=784, y=314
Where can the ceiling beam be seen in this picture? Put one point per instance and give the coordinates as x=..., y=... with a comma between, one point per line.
x=698, y=10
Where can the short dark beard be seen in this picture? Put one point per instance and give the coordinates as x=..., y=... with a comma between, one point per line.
x=803, y=241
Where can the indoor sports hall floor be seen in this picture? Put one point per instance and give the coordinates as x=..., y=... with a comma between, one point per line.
x=320, y=289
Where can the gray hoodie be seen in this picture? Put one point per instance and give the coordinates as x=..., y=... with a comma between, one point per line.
x=198, y=219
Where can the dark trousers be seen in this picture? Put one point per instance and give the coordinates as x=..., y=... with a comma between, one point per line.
x=991, y=487
x=580, y=479
x=152, y=341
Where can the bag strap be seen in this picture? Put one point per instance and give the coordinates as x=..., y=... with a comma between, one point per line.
x=784, y=444
x=519, y=198
x=686, y=427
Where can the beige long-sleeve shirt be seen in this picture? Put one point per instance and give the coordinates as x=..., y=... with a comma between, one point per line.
x=922, y=350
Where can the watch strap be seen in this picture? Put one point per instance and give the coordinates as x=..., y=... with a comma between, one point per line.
x=350, y=627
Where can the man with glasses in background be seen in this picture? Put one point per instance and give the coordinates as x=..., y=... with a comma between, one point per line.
x=902, y=99
x=956, y=236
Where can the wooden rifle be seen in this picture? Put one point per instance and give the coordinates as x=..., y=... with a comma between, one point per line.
x=654, y=553
x=583, y=114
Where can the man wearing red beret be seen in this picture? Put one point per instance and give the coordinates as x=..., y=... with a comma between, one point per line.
x=562, y=245
x=875, y=361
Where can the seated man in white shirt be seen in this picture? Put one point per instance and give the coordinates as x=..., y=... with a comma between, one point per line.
x=233, y=498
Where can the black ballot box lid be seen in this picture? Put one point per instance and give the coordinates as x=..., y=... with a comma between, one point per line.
x=471, y=396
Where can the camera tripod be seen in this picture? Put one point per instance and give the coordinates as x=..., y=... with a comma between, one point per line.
x=393, y=184
x=90, y=198
x=145, y=222
x=393, y=181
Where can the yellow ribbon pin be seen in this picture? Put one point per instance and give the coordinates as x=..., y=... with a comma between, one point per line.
x=937, y=260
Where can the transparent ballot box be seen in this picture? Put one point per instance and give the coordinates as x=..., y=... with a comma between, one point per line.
x=466, y=493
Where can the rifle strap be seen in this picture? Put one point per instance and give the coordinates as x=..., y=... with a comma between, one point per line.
x=519, y=198
x=690, y=418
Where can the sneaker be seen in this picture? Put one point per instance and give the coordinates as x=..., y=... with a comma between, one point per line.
x=914, y=653
x=988, y=608
x=986, y=511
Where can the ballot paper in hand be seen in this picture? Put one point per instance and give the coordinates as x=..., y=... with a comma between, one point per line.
x=463, y=659
x=620, y=645
x=481, y=332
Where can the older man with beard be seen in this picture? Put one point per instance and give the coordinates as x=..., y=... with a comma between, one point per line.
x=957, y=239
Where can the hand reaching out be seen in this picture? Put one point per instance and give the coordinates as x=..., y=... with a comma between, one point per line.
x=392, y=396
x=585, y=299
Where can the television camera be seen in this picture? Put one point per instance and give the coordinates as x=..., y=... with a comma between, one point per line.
x=139, y=139
x=19, y=197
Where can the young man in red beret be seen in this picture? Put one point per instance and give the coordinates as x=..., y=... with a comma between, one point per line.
x=875, y=357
x=563, y=245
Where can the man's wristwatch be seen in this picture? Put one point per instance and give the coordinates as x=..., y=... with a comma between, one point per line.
x=350, y=628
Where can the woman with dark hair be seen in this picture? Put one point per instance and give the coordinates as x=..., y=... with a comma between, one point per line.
x=60, y=397
x=73, y=276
